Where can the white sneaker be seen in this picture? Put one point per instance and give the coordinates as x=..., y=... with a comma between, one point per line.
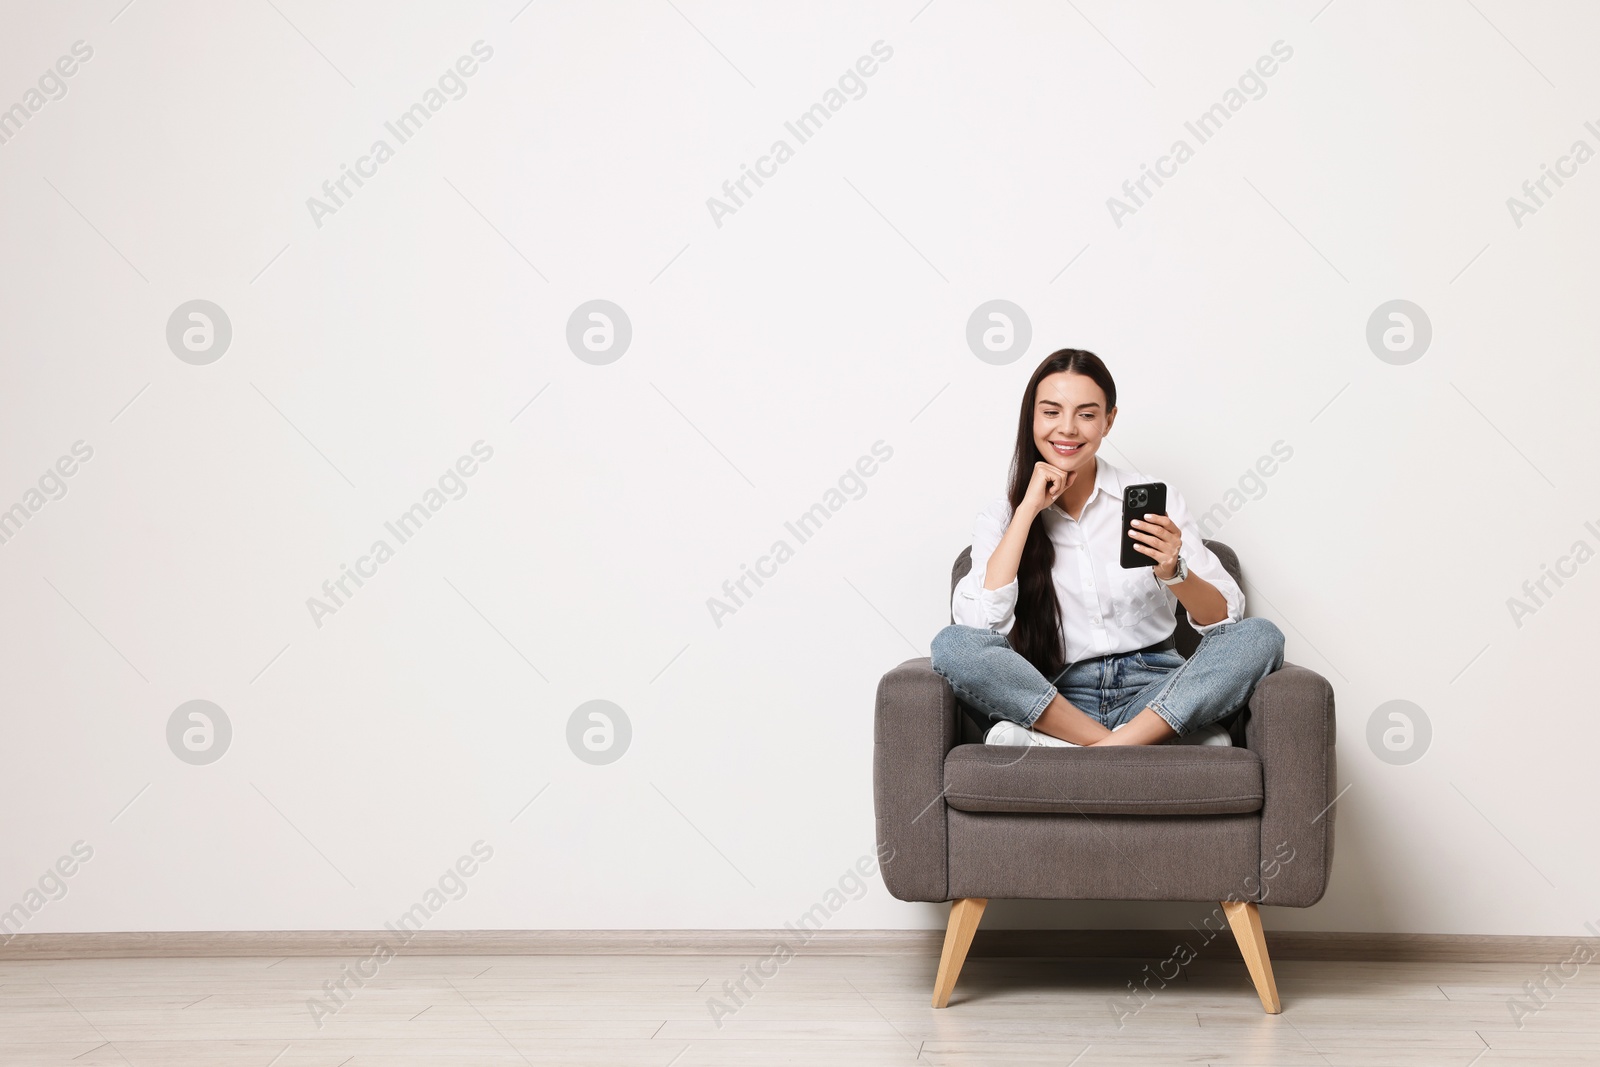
x=1006, y=732
x=1215, y=734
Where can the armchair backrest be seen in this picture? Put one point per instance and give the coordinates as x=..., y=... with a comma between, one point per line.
x=1185, y=634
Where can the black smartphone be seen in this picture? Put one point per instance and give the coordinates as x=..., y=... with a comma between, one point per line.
x=1138, y=501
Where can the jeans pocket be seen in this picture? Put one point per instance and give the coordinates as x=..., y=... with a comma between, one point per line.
x=1161, y=662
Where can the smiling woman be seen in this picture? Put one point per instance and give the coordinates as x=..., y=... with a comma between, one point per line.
x=1056, y=638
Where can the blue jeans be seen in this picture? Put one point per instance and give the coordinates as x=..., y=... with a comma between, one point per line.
x=993, y=678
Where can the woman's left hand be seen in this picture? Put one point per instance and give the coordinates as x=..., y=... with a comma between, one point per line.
x=1158, y=537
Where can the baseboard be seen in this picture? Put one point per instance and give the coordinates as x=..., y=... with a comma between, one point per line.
x=1131, y=944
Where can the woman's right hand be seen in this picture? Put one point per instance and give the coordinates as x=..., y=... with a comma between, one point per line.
x=1046, y=485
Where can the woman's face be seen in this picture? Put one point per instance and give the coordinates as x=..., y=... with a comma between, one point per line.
x=1069, y=421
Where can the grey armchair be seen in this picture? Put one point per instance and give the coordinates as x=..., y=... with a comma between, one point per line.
x=965, y=822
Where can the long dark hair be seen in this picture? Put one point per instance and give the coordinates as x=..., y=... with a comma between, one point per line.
x=1036, y=634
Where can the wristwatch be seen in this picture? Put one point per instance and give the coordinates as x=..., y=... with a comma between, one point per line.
x=1178, y=575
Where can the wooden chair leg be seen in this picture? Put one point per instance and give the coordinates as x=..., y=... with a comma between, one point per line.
x=965, y=915
x=1245, y=918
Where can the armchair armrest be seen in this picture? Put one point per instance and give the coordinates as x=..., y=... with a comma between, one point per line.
x=915, y=726
x=1291, y=727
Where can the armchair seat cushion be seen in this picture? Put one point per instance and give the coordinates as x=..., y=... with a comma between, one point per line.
x=1123, y=780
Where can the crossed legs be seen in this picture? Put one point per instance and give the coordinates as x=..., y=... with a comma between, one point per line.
x=1178, y=696
x=1061, y=719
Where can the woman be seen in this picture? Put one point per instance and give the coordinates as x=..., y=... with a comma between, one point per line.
x=1053, y=639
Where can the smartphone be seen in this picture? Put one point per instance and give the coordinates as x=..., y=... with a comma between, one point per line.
x=1138, y=501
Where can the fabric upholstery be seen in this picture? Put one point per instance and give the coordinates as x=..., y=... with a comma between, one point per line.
x=915, y=725
x=1131, y=780
x=1104, y=857
x=1292, y=729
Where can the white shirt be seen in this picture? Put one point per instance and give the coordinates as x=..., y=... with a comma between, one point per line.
x=1104, y=609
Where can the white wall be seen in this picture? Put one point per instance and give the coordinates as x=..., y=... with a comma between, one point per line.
x=768, y=353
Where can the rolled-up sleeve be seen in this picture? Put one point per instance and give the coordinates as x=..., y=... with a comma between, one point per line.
x=972, y=604
x=1204, y=562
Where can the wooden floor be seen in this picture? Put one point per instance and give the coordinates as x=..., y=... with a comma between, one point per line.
x=838, y=1011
